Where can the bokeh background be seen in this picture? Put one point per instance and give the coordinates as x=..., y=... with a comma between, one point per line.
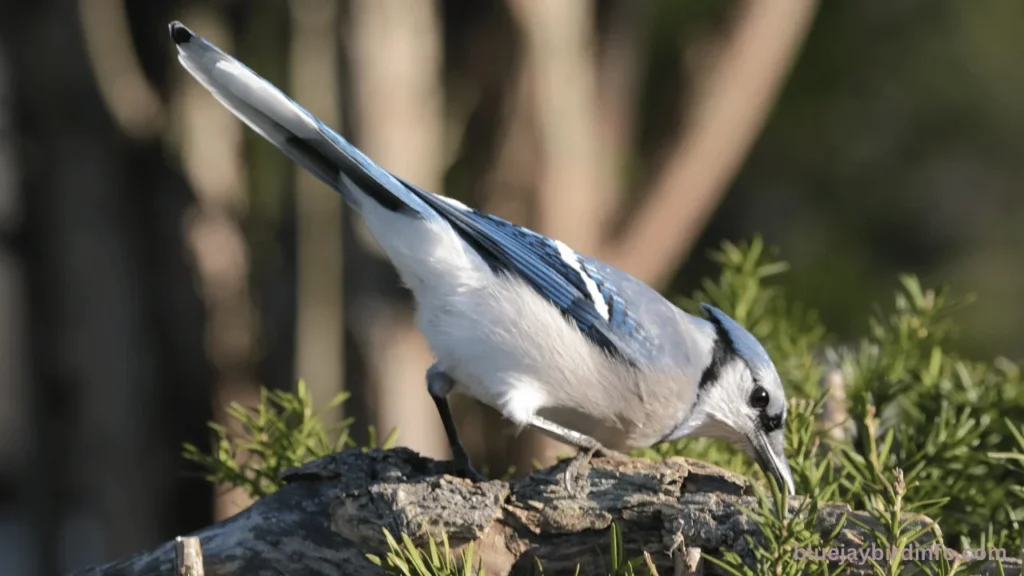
x=157, y=260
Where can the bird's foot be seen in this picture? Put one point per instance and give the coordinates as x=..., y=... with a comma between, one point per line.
x=582, y=459
x=572, y=471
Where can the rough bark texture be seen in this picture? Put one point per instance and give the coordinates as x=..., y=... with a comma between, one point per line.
x=330, y=514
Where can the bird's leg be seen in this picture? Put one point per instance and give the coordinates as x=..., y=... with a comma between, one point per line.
x=439, y=385
x=587, y=448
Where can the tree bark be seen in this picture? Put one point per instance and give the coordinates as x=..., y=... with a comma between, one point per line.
x=331, y=512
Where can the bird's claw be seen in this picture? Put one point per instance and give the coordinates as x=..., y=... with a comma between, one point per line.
x=573, y=469
x=582, y=458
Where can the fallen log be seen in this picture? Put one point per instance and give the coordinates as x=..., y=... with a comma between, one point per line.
x=331, y=512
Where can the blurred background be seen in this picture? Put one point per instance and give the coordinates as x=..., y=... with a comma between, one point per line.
x=158, y=260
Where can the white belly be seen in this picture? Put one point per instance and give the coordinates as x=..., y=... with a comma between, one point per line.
x=497, y=338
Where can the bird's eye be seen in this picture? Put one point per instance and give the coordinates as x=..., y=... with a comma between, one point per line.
x=759, y=397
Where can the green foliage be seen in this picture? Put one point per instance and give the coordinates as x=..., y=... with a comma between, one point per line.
x=945, y=422
x=619, y=564
x=281, y=432
x=406, y=559
x=785, y=533
x=1014, y=459
x=898, y=532
x=941, y=416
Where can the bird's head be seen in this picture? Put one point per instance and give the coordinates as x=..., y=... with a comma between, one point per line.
x=740, y=398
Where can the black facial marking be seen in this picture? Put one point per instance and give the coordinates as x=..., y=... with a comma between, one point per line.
x=769, y=423
x=722, y=352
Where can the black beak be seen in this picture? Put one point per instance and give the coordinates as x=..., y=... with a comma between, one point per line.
x=772, y=459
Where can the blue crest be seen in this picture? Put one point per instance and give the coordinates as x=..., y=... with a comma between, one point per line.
x=743, y=342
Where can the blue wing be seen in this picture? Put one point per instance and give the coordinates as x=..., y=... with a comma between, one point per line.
x=580, y=287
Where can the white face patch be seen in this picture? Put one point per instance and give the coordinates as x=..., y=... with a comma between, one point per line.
x=570, y=257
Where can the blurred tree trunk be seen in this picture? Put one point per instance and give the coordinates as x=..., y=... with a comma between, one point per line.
x=14, y=384
x=319, y=342
x=173, y=308
x=211, y=153
x=270, y=221
x=744, y=76
x=396, y=69
x=116, y=358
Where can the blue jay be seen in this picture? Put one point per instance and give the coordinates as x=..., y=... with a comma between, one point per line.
x=551, y=338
